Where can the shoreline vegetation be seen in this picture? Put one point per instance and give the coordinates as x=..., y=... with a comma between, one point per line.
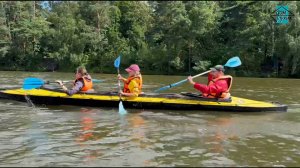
x=163, y=38
x=234, y=73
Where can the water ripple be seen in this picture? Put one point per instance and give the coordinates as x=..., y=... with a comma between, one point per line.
x=89, y=137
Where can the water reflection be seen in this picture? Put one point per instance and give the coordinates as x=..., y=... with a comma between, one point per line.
x=75, y=136
x=221, y=134
x=137, y=124
x=87, y=126
x=137, y=151
x=86, y=134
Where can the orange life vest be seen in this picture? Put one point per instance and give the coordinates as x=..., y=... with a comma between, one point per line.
x=138, y=79
x=87, y=83
x=223, y=95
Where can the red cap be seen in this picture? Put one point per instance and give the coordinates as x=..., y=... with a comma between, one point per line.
x=133, y=67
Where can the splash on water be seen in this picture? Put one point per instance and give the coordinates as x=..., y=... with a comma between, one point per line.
x=29, y=102
x=121, y=108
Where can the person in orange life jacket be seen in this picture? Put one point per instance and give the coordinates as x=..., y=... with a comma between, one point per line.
x=218, y=84
x=133, y=84
x=83, y=82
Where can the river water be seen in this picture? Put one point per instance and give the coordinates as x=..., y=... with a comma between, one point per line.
x=42, y=135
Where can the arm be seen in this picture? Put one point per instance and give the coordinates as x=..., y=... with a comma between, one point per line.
x=202, y=88
x=209, y=77
x=190, y=79
x=75, y=89
x=120, y=77
x=62, y=85
x=129, y=94
x=218, y=87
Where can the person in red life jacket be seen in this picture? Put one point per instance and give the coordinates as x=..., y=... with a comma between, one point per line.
x=218, y=84
x=83, y=82
x=133, y=84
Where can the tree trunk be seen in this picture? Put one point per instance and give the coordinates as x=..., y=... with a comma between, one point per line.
x=33, y=43
x=7, y=22
x=190, y=50
x=295, y=55
x=273, y=41
x=24, y=47
x=98, y=29
x=98, y=22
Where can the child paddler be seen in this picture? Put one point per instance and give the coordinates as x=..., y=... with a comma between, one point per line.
x=133, y=84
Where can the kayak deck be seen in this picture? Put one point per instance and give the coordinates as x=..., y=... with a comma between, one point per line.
x=183, y=101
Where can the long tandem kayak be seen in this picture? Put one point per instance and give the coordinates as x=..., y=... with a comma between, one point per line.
x=183, y=101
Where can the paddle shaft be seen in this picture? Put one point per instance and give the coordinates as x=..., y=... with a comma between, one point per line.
x=48, y=82
x=201, y=74
x=117, y=65
x=182, y=81
x=119, y=84
x=232, y=62
x=68, y=81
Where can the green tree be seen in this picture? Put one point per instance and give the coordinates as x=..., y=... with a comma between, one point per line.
x=172, y=24
x=5, y=37
x=204, y=18
x=134, y=23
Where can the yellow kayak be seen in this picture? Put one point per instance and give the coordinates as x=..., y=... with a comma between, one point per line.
x=183, y=101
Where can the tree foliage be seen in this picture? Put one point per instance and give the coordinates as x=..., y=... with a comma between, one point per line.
x=174, y=37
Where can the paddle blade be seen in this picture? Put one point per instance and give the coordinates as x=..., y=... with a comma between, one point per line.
x=233, y=62
x=32, y=83
x=117, y=62
x=121, y=108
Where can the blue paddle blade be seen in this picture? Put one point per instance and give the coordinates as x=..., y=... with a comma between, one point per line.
x=33, y=80
x=121, y=108
x=233, y=62
x=117, y=62
x=32, y=83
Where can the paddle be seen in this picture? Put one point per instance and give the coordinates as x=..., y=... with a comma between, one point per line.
x=117, y=65
x=232, y=62
x=33, y=83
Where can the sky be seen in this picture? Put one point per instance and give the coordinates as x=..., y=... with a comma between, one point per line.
x=45, y=5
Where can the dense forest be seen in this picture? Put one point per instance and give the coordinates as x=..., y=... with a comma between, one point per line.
x=172, y=37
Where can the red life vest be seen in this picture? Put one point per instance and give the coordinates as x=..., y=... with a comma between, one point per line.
x=222, y=95
x=87, y=83
x=139, y=81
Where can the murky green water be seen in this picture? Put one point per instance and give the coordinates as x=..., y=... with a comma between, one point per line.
x=85, y=136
